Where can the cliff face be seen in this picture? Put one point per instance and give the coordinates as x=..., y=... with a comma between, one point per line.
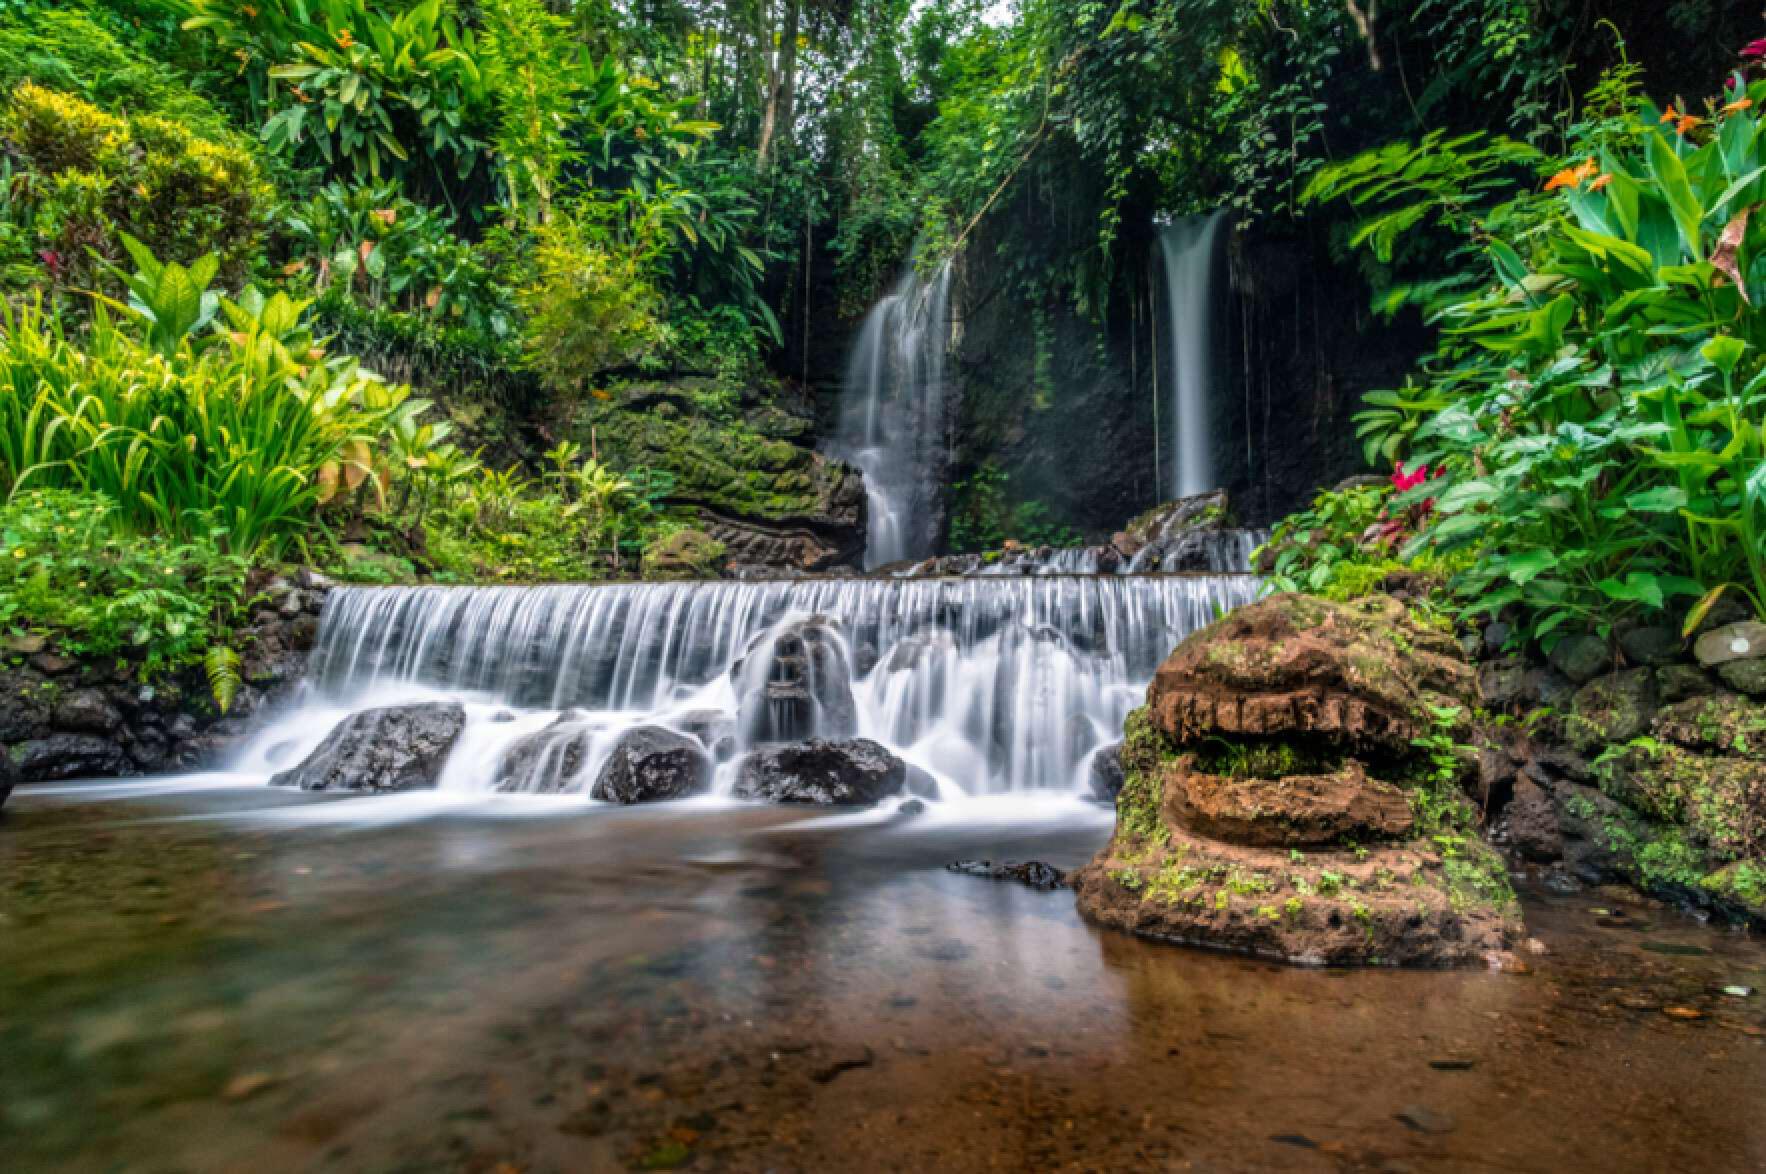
x=1065, y=407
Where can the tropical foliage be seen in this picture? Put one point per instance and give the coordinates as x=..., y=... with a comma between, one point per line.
x=1599, y=393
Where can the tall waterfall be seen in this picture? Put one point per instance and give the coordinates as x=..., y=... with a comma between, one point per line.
x=1190, y=252
x=893, y=425
x=987, y=684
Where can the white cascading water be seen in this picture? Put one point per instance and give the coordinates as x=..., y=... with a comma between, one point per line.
x=1190, y=252
x=893, y=426
x=988, y=684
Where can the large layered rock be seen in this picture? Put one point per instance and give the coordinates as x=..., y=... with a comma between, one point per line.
x=650, y=764
x=396, y=748
x=1275, y=801
x=854, y=772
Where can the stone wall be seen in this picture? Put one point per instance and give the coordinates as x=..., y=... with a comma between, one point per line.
x=64, y=716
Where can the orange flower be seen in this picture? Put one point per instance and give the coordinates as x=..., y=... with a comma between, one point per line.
x=345, y=39
x=1738, y=106
x=1688, y=122
x=1670, y=114
x=1600, y=181
x=1571, y=177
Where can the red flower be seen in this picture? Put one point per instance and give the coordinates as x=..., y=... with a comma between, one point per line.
x=1754, y=50
x=1402, y=481
x=51, y=261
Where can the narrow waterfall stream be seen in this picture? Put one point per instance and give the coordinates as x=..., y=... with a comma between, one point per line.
x=893, y=424
x=987, y=684
x=1191, y=253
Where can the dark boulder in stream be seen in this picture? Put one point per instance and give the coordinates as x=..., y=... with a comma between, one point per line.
x=858, y=771
x=650, y=764
x=1034, y=873
x=398, y=748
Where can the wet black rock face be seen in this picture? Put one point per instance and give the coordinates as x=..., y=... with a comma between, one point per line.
x=1106, y=776
x=857, y=771
x=651, y=764
x=398, y=748
x=797, y=683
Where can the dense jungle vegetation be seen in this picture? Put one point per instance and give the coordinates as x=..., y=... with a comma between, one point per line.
x=315, y=280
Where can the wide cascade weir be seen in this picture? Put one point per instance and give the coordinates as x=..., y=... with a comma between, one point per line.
x=987, y=683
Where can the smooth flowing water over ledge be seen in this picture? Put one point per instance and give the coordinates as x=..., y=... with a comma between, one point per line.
x=232, y=978
x=988, y=684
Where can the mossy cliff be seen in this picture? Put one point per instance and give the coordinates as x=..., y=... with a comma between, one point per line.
x=742, y=458
x=1292, y=789
x=1637, y=781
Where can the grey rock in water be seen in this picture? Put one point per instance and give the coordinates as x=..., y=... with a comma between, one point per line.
x=397, y=748
x=1106, y=773
x=715, y=729
x=858, y=771
x=650, y=764
x=1034, y=873
x=547, y=761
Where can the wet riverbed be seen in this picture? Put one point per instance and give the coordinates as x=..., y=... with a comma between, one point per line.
x=228, y=978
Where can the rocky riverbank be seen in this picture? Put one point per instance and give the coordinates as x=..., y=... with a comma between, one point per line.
x=65, y=716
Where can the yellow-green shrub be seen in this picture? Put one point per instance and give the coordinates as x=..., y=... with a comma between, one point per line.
x=91, y=175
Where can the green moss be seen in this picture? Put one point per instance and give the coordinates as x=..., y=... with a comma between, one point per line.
x=745, y=464
x=1253, y=759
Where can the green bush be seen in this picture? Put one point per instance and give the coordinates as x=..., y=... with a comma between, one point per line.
x=1599, y=398
x=245, y=431
x=71, y=569
x=90, y=176
x=373, y=245
x=65, y=49
x=590, y=304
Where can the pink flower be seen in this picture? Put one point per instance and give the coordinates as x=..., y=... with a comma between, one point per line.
x=1754, y=50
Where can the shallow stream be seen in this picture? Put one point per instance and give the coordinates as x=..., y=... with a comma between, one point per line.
x=209, y=975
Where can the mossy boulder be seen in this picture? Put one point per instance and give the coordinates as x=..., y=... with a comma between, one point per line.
x=1276, y=800
x=685, y=554
x=1614, y=708
x=741, y=460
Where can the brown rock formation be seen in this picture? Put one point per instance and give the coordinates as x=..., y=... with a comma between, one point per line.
x=1291, y=790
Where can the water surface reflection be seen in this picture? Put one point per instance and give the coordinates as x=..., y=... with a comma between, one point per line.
x=216, y=977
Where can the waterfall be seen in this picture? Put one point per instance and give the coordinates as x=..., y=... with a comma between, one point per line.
x=988, y=684
x=1190, y=252
x=893, y=423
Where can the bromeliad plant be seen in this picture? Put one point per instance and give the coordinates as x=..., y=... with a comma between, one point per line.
x=1600, y=400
